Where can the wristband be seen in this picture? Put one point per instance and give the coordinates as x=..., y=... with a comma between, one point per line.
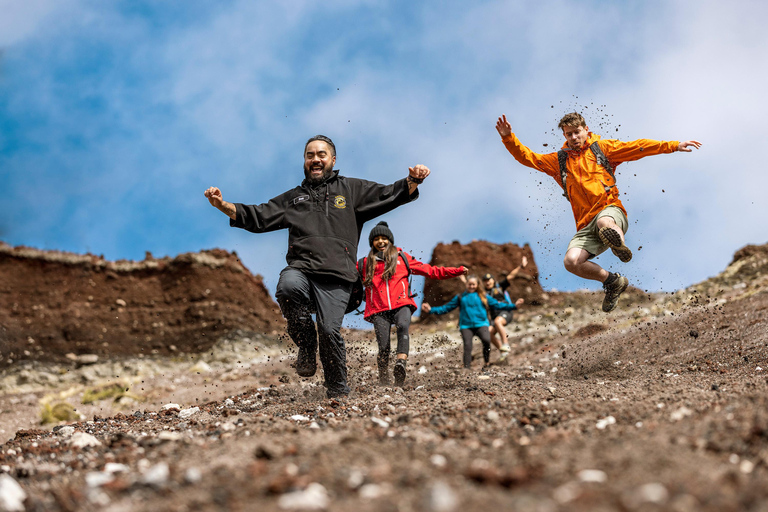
x=415, y=180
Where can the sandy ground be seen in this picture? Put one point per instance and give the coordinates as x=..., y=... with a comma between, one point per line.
x=657, y=408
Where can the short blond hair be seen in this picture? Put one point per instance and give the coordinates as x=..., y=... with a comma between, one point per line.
x=573, y=119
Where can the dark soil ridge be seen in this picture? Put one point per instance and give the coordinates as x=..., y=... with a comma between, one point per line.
x=55, y=303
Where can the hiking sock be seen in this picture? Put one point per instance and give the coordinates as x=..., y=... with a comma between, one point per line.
x=610, y=279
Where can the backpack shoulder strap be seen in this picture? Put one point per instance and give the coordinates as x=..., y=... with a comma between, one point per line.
x=562, y=158
x=360, y=265
x=405, y=260
x=603, y=160
x=408, y=270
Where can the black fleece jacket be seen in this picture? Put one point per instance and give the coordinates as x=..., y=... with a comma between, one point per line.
x=324, y=221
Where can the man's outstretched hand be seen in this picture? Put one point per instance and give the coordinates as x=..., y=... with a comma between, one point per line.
x=214, y=196
x=217, y=201
x=503, y=126
x=418, y=171
x=688, y=145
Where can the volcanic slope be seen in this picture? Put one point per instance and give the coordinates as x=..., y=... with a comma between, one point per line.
x=660, y=405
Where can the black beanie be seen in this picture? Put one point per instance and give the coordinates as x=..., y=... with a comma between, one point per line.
x=381, y=229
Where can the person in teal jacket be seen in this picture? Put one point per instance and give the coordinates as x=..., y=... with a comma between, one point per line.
x=473, y=307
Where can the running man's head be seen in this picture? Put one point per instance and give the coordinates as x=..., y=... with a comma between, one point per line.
x=575, y=130
x=319, y=158
x=488, y=281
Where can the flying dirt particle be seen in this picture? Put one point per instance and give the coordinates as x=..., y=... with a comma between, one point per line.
x=662, y=190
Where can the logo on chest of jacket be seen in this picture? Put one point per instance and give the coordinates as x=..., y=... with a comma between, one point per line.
x=340, y=202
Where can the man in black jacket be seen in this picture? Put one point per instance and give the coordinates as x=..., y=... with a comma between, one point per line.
x=324, y=217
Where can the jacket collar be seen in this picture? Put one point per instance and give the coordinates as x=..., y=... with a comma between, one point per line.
x=592, y=137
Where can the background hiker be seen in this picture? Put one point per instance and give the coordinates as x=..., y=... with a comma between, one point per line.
x=388, y=299
x=473, y=306
x=585, y=168
x=500, y=318
x=324, y=217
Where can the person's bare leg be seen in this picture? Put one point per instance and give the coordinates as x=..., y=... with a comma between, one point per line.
x=494, y=338
x=577, y=262
x=499, y=324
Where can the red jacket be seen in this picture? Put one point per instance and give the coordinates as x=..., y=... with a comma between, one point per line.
x=384, y=295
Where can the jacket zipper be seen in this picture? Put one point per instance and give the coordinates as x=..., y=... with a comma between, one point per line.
x=389, y=301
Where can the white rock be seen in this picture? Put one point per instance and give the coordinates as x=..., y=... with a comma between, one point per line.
x=746, y=466
x=592, y=476
x=81, y=440
x=442, y=498
x=166, y=435
x=682, y=412
x=653, y=493
x=299, y=417
x=121, y=303
x=356, y=479
x=66, y=431
x=186, y=413
x=114, y=467
x=314, y=425
x=157, y=475
x=229, y=402
x=314, y=497
x=380, y=422
x=98, y=478
x=602, y=423
x=201, y=367
x=372, y=491
x=170, y=407
x=439, y=461
x=193, y=475
x=422, y=370
x=493, y=416
x=12, y=496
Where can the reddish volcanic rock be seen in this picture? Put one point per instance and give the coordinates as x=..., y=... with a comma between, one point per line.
x=482, y=257
x=53, y=303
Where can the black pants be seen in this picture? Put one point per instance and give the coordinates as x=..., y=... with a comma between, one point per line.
x=485, y=337
x=382, y=324
x=300, y=295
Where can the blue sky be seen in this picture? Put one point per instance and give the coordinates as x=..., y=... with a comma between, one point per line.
x=115, y=116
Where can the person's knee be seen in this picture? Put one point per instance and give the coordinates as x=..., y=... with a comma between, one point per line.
x=571, y=263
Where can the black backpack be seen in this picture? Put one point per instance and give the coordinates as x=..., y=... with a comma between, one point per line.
x=562, y=157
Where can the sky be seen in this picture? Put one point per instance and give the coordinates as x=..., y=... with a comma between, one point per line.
x=116, y=116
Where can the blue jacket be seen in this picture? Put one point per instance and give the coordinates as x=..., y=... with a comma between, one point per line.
x=472, y=313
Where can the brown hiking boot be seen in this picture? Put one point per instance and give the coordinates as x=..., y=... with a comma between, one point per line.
x=612, y=292
x=612, y=239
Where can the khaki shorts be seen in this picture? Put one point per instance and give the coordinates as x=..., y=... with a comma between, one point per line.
x=587, y=238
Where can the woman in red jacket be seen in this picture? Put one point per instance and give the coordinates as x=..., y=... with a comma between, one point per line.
x=388, y=298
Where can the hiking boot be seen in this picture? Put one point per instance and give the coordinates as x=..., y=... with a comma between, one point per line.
x=503, y=353
x=399, y=372
x=612, y=292
x=306, y=364
x=612, y=239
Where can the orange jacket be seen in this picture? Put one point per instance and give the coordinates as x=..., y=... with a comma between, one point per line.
x=586, y=179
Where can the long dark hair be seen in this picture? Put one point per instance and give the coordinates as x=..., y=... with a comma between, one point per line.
x=390, y=264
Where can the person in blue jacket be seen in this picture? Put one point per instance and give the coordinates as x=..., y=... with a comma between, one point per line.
x=473, y=307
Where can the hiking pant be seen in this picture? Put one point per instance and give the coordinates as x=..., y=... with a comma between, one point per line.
x=382, y=323
x=485, y=337
x=299, y=295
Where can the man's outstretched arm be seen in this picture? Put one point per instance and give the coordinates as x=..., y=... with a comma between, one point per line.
x=547, y=163
x=217, y=201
